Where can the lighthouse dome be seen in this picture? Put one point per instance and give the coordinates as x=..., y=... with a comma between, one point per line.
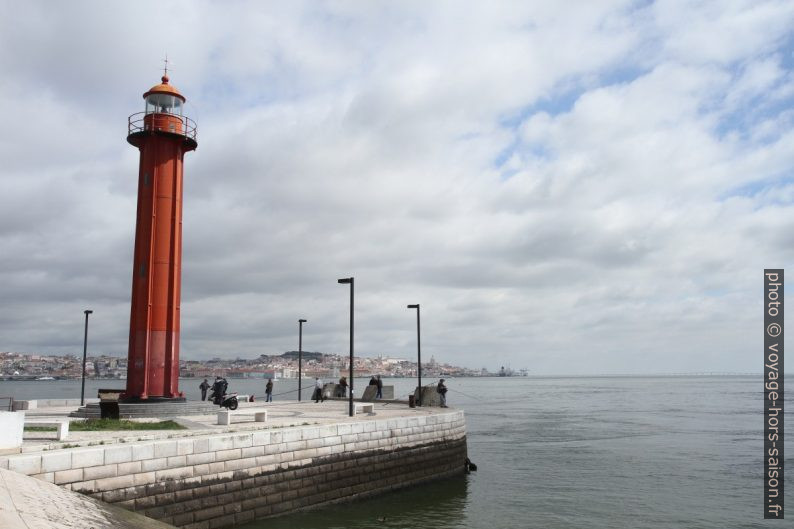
x=164, y=98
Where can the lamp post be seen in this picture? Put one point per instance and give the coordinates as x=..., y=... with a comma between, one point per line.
x=418, y=351
x=349, y=281
x=85, y=351
x=300, y=355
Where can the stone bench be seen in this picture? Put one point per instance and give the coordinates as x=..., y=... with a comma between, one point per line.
x=62, y=425
x=360, y=407
x=225, y=416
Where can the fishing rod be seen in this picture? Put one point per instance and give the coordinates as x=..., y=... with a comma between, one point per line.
x=455, y=390
x=275, y=394
x=464, y=394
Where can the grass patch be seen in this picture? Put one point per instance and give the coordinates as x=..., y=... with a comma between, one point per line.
x=96, y=425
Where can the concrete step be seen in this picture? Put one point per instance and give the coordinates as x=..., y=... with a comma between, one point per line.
x=155, y=409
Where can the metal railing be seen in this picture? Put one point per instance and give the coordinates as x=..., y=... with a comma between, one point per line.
x=136, y=124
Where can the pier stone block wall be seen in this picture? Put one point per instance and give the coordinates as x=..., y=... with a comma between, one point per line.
x=224, y=479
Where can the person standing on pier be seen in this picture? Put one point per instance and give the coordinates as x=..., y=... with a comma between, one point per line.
x=379, y=384
x=204, y=387
x=442, y=392
x=269, y=390
x=342, y=387
x=318, y=390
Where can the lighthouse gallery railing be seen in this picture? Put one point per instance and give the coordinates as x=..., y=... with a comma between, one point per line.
x=136, y=123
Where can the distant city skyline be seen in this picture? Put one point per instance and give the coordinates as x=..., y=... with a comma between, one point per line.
x=14, y=364
x=365, y=366
x=588, y=190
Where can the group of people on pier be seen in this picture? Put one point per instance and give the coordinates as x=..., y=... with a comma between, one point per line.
x=377, y=382
x=219, y=388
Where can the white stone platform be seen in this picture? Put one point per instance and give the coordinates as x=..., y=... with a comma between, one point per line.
x=280, y=415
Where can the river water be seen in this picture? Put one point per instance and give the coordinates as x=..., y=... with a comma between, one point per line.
x=590, y=452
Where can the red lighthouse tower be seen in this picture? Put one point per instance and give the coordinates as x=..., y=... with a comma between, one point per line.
x=163, y=135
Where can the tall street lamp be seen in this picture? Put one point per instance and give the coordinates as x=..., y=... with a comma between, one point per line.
x=418, y=351
x=349, y=281
x=300, y=355
x=85, y=350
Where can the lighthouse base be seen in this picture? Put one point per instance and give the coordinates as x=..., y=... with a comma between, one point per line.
x=151, y=400
x=163, y=409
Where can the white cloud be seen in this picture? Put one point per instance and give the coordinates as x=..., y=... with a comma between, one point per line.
x=568, y=189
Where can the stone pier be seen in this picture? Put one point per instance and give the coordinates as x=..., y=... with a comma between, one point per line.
x=306, y=455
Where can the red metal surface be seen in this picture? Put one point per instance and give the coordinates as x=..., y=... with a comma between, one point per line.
x=142, y=121
x=153, y=356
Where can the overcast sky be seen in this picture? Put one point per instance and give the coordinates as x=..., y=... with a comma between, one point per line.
x=568, y=187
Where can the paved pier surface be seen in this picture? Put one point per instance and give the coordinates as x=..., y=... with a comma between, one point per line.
x=281, y=414
x=30, y=503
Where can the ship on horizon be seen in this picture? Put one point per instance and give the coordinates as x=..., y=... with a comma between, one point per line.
x=507, y=372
